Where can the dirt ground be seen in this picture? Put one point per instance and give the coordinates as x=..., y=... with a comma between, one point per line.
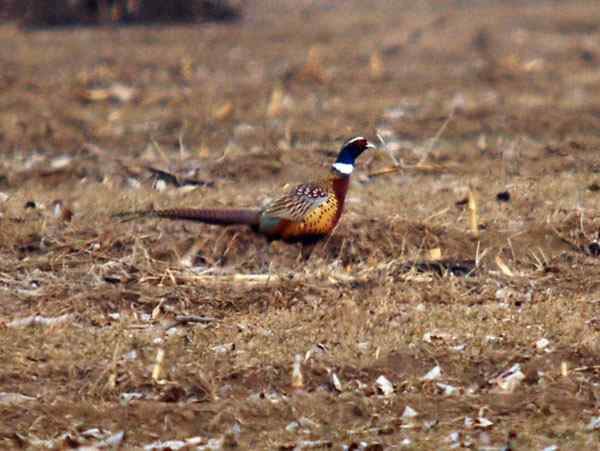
x=406, y=329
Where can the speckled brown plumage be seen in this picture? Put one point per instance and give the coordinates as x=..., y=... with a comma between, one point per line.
x=308, y=212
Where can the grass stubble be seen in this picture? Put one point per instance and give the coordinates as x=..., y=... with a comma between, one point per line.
x=174, y=331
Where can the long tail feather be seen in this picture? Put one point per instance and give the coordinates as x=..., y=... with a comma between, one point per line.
x=218, y=216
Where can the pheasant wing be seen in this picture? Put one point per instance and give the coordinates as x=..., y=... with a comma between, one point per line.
x=298, y=203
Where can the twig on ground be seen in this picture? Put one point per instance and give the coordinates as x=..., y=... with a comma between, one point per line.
x=38, y=320
x=187, y=319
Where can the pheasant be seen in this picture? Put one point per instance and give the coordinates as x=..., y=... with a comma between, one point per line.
x=306, y=214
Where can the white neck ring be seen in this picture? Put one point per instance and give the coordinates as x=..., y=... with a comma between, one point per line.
x=344, y=168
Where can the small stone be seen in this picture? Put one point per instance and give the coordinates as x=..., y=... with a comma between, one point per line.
x=335, y=381
x=224, y=348
x=483, y=422
x=503, y=196
x=386, y=387
x=409, y=412
x=292, y=427
x=542, y=343
x=60, y=162
x=363, y=346
x=448, y=390
x=160, y=185
x=593, y=424
x=434, y=373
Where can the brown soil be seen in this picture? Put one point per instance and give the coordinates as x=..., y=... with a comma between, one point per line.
x=402, y=286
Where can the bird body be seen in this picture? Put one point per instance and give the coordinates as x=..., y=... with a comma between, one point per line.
x=306, y=214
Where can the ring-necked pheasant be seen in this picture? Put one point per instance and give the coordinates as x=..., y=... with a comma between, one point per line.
x=306, y=214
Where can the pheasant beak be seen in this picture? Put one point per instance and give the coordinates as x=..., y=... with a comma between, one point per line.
x=370, y=145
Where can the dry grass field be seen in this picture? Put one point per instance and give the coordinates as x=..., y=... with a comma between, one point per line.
x=456, y=306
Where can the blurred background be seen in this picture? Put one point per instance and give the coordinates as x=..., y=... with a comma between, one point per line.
x=255, y=79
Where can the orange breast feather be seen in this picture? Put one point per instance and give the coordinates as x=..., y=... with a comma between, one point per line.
x=320, y=221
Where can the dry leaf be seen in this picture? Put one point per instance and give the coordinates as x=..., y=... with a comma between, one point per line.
x=313, y=69
x=473, y=213
x=224, y=112
x=158, y=366
x=275, y=107
x=376, y=65
x=503, y=267
x=435, y=253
